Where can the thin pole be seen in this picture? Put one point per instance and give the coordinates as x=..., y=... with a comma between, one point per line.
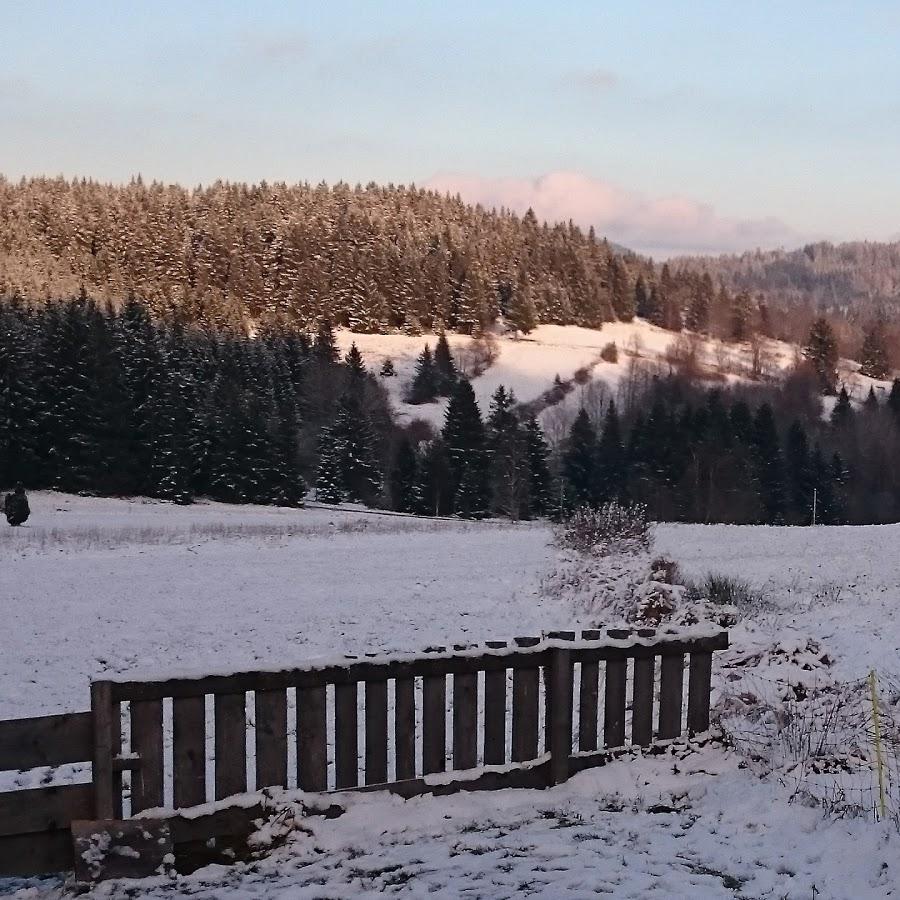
x=876, y=723
x=815, y=498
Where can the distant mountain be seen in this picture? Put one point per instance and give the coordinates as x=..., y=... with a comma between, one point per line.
x=855, y=279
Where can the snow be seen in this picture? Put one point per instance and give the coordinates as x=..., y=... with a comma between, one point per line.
x=117, y=588
x=528, y=364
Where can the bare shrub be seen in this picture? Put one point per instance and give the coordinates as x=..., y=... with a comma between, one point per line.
x=610, y=353
x=603, y=530
x=477, y=356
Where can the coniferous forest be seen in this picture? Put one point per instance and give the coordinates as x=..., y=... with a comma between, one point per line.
x=224, y=380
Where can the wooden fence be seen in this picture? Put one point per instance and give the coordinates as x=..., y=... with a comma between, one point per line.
x=34, y=823
x=529, y=713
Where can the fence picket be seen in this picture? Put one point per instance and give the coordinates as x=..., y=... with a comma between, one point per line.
x=404, y=728
x=465, y=721
x=434, y=724
x=642, y=702
x=699, y=680
x=147, y=743
x=495, y=712
x=525, y=714
x=271, y=738
x=230, y=744
x=312, y=739
x=189, y=750
x=376, y=732
x=346, y=745
x=670, y=689
x=614, y=703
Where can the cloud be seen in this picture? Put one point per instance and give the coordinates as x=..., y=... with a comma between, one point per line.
x=596, y=80
x=660, y=226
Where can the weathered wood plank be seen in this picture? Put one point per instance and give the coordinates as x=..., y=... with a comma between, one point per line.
x=46, y=741
x=560, y=726
x=404, y=729
x=434, y=724
x=465, y=721
x=312, y=739
x=271, y=738
x=36, y=854
x=699, y=681
x=495, y=718
x=671, y=683
x=316, y=676
x=346, y=737
x=147, y=743
x=588, y=704
x=614, y=704
x=376, y=732
x=642, y=702
x=107, y=738
x=117, y=849
x=230, y=744
x=189, y=751
x=525, y=712
x=44, y=809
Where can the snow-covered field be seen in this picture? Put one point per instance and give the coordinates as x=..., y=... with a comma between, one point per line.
x=93, y=587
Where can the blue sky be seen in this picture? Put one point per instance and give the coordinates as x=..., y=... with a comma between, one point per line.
x=672, y=127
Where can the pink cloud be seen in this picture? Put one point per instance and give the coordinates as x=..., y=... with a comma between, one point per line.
x=660, y=226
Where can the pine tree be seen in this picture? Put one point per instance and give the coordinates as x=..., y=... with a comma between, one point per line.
x=425, y=385
x=871, y=402
x=579, y=461
x=842, y=415
x=874, y=356
x=354, y=362
x=741, y=315
x=350, y=454
x=893, y=400
x=403, y=478
x=520, y=312
x=464, y=436
x=19, y=410
x=623, y=299
x=325, y=347
x=610, y=465
x=821, y=351
x=387, y=369
x=444, y=366
x=435, y=489
x=800, y=472
x=540, y=482
x=769, y=464
x=642, y=306
x=509, y=474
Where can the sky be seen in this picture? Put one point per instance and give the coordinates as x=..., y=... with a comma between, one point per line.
x=671, y=128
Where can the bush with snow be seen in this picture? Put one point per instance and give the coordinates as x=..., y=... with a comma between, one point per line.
x=611, y=528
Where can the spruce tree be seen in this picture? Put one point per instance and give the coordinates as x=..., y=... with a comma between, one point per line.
x=741, y=314
x=350, y=454
x=444, y=366
x=769, y=464
x=893, y=400
x=821, y=351
x=387, y=369
x=464, y=436
x=403, y=477
x=509, y=475
x=871, y=402
x=325, y=347
x=874, y=358
x=610, y=465
x=541, y=500
x=799, y=467
x=842, y=415
x=435, y=489
x=425, y=385
x=579, y=461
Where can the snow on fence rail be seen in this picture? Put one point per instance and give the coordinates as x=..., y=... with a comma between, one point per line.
x=525, y=714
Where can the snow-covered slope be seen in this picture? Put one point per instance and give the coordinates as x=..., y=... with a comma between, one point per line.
x=529, y=364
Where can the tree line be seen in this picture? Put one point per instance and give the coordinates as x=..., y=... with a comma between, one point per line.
x=101, y=400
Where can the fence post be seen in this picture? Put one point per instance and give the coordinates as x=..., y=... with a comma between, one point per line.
x=106, y=739
x=561, y=710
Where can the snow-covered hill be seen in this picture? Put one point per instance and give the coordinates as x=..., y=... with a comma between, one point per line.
x=529, y=364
